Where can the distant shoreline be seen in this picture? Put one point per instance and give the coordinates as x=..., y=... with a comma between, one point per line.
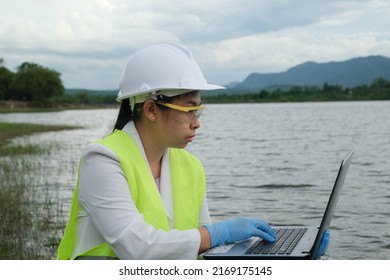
x=29, y=107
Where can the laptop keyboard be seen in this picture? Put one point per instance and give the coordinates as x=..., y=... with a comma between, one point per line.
x=286, y=240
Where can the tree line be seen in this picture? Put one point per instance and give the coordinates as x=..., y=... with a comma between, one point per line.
x=379, y=89
x=36, y=84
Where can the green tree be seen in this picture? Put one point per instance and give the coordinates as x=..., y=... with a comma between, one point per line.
x=380, y=83
x=263, y=94
x=82, y=97
x=6, y=78
x=380, y=89
x=33, y=82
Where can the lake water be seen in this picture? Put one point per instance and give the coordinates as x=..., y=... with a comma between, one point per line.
x=273, y=161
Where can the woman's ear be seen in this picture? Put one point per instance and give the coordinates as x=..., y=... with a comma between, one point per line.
x=150, y=109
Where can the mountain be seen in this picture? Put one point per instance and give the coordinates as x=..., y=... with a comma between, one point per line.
x=349, y=73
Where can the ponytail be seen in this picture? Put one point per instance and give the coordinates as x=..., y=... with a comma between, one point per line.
x=124, y=116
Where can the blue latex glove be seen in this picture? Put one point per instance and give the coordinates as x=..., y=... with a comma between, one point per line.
x=323, y=245
x=239, y=229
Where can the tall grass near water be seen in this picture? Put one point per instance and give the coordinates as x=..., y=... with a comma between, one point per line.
x=31, y=223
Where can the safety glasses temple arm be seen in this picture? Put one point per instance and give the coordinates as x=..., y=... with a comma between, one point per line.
x=181, y=108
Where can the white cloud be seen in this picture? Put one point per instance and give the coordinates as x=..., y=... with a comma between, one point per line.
x=89, y=41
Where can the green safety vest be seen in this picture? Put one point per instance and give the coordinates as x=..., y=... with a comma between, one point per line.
x=188, y=183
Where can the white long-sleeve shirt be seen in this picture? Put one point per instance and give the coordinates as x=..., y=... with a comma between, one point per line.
x=108, y=212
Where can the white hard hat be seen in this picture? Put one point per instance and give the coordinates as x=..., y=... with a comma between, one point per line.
x=166, y=67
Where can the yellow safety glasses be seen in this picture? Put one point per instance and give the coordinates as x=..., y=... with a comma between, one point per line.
x=194, y=112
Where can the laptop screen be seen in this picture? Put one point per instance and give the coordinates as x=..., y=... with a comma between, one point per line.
x=332, y=200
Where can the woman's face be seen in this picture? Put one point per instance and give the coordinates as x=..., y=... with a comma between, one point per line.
x=180, y=126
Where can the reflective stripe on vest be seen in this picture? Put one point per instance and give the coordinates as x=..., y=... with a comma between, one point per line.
x=188, y=187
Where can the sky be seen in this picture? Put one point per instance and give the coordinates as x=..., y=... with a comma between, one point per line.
x=90, y=41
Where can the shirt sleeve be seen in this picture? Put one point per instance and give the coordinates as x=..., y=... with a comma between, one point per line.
x=204, y=215
x=105, y=196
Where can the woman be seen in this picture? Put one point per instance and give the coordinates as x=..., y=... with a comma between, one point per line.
x=139, y=194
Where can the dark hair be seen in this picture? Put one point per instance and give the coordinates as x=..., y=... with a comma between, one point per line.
x=165, y=98
x=125, y=114
x=170, y=99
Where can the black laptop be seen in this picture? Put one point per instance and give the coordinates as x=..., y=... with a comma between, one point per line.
x=291, y=242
